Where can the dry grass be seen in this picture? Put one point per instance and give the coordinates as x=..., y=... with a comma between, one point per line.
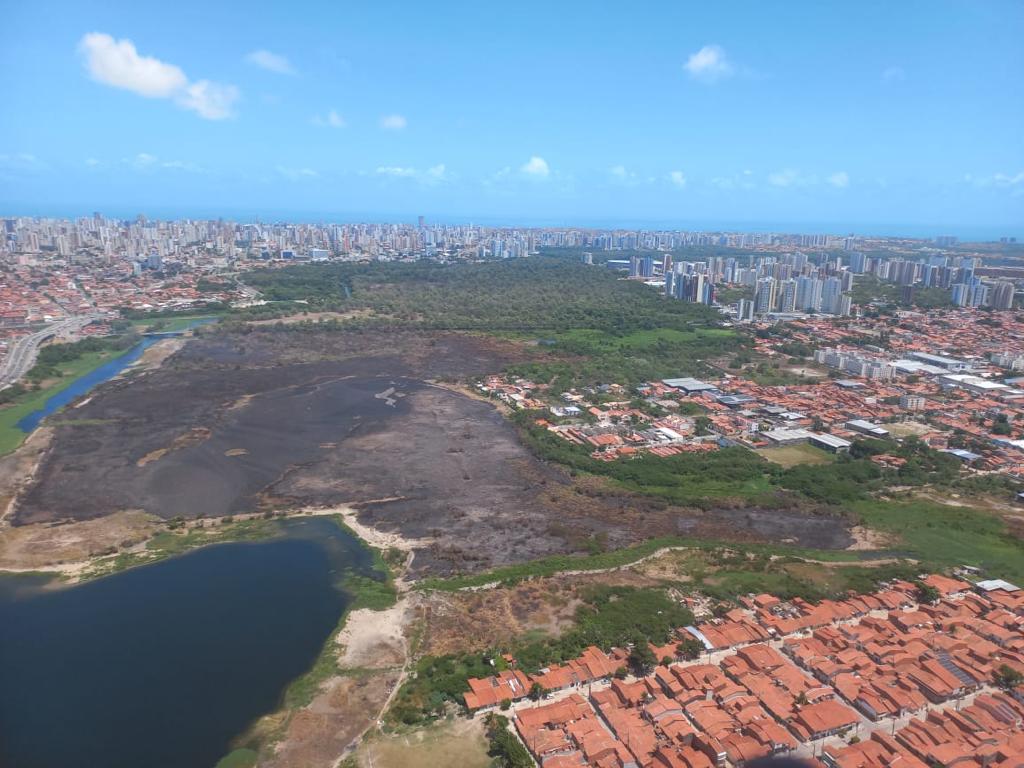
x=458, y=743
x=792, y=455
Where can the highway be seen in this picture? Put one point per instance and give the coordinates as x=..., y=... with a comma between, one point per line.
x=22, y=355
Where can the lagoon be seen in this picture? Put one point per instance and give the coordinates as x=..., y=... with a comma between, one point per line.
x=166, y=665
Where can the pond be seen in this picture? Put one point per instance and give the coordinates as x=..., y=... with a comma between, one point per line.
x=165, y=665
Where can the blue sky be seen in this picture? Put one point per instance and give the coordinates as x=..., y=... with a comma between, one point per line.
x=855, y=116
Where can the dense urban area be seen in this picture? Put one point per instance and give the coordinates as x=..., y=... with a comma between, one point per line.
x=651, y=499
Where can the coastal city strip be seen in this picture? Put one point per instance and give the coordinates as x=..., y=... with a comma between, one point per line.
x=871, y=681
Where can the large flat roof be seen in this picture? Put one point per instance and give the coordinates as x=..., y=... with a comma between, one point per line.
x=689, y=384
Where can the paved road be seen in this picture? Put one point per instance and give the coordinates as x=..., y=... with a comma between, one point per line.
x=23, y=354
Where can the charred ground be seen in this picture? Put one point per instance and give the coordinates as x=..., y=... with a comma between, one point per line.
x=264, y=420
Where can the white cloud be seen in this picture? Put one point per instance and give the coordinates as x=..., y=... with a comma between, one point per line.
x=744, y=180
x=435, y=174
x=396, y=171
x=118, y=64
x=144, y=161
x=536, y=167
x=393, y=122
x=272, y=62
x=678, y=178
x=709, y=64
x=296, y=174
x=839, y=179
x=791, y=178
x=22, y=161
x=1012, y=182
x=210, y=100
x=1005, y=180
x=893, y=75
x=332, y=120
x=92, y=162
x=619, y=172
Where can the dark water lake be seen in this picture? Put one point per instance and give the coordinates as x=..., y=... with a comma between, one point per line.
x=164, y=665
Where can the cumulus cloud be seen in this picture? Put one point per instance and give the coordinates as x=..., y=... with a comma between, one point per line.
x=1010, y=181
x=709, y=64
x=791, y=178
x=435, y=174
x=272, y=62
x=210, y=100
x=1006, y=180
x=536, y=167
x=744, y=180
x=118, y=64
x=393, y=122
x=332, y=120
x=678, y=178
x=839, y=179
x=396, y=171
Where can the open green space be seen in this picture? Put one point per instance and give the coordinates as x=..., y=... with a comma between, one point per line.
x=943, y=536
x=533, y=294
x=239, y=758
x=170, y=323
x=608, y=616
x=23, y=404
x=869, y=289
x=793, y=455
x=180, y=538
x=556, y=564
x=630, y=358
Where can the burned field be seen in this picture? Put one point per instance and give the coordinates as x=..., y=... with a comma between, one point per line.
x=237, y=423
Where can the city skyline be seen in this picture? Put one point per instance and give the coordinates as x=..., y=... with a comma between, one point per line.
x=552, y=116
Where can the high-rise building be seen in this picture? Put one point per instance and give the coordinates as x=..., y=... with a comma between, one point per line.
x=1001, y=295
x=764, y=298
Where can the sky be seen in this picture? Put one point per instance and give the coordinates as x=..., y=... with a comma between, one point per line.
x=869, y=117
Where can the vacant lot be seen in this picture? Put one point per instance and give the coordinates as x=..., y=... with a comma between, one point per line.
x=792, y=455
x=457, y=743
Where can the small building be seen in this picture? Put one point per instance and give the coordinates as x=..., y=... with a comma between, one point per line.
x=734, y=401
x=867, y=428
x=992, y=585
x=946, y=363
x=788, y=436
x=830, y=443
x=912, y=402
x=965, y=456
x=689, y=385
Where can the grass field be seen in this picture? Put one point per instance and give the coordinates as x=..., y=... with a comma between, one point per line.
x=550, y=566
x=792, y=455
x=170, y=324
x=628, y=357
x=10, y=436
x=239, y=758
x=945, y=536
